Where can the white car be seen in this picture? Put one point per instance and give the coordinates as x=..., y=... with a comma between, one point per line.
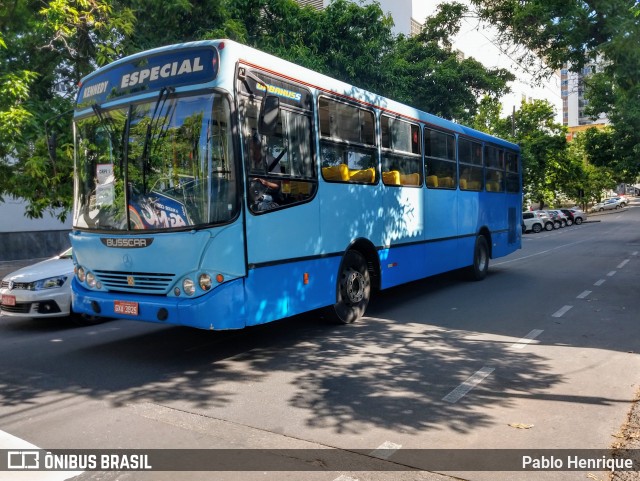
x=40, y=290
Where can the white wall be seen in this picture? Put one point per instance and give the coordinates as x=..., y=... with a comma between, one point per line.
x=12, y=218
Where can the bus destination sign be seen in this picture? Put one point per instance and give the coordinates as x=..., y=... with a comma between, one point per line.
x=169, y=69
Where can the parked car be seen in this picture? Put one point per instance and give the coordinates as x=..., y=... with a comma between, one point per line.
x=558, y=216
x=531, y=222
x=576, y=215
x=541, y=216
x=41, y=290
x=622, y=200
x=608, y=204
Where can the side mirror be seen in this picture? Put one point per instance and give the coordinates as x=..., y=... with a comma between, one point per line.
x=269, y=115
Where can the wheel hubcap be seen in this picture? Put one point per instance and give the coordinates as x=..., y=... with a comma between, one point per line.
x=354, y=286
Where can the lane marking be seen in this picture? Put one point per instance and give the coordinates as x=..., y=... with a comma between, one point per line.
x=583, y=294
x=612, y=273
x=14, y=443
x=562, y=311
x=522, y=343
x=344, y=477
x=600, y=282
x=539, y=253
x=634, y=253
x=385, y=450
x=459, y=392
x=623, y=263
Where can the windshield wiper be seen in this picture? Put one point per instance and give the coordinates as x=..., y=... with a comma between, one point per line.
x=163, y=95
x=109, y=125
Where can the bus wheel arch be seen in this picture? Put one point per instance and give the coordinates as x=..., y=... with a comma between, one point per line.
x=357, y=277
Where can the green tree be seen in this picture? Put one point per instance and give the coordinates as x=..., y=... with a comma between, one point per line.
x=576, y=33
x=61, y=40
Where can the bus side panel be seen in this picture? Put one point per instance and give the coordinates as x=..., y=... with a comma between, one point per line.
x=469, y=223
x=403, y=260
x=278, y=291
x=283, y=234
x=349, y=212
x=441, y=224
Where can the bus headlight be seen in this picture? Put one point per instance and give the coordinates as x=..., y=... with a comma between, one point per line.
x=91, y=279
x=188, y=286
x=205, y=282
x=81, y=274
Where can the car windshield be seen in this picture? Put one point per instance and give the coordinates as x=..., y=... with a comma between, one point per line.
x=174, y=155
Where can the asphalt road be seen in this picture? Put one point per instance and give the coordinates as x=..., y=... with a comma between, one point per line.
x=543, y=354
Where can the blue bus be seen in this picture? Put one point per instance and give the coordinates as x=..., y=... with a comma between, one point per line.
x=220, y=187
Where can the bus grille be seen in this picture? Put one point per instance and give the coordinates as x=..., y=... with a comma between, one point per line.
x=141, y=282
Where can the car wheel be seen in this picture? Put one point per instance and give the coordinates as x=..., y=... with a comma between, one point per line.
x=563, y=223
x=556, y=225
x=548, y=226
x=536, y=228
x=618, y=206
x=569, y=222
x=600, y=209
x=353, y=289
x=578, y=220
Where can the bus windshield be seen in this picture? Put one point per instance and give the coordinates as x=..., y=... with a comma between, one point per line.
x=173, y=153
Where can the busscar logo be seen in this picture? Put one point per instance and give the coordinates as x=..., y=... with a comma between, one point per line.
x=23, y=460
x=127, y=243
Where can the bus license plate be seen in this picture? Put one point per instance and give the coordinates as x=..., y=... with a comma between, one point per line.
x=8, y=300
x=125, y=307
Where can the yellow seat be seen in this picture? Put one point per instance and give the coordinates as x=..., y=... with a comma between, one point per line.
x=336, y=172
x=463, y=184
x=432, y=181
x=474, y=185
x=365, y=175
x=493, y=186
x=391, y=178
x=410, y=179
x=446, y=182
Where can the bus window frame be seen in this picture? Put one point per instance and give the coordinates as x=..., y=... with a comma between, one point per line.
x=248, y=96
x=426, y=157
x=402, y=155
x=356, y=146
x=119, y=102
x=470, y=165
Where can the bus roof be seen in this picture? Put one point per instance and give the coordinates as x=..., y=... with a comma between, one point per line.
x=232, y=52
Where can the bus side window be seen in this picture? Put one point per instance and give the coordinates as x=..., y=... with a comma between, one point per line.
x=401, y=160
x=440, y=157
x=470, y=159
x=280, y=166
x=347, y=143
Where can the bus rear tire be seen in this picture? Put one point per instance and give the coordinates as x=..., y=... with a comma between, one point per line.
x=353, y=289
x=478, y=270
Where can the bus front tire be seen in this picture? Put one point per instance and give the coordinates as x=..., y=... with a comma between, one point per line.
x=478, y=270
x=353, y=289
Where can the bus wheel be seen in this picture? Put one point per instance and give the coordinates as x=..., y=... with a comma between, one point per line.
x=353, y=290
x=478, y=270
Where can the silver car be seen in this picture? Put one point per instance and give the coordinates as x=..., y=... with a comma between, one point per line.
x=608, y=204
x=39, y=290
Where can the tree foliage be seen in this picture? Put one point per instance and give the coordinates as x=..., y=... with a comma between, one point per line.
x=47, y=47
x=575, y=32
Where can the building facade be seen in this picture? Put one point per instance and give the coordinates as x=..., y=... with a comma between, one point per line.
x=574, y=103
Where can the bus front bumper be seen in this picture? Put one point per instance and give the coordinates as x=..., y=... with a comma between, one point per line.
x=222, y=308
